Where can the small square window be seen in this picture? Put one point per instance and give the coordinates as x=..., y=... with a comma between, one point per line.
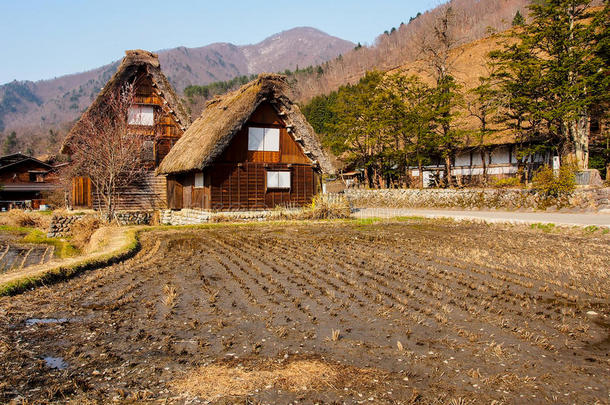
x=277, y=179
x=263, y=139
x=148, y=151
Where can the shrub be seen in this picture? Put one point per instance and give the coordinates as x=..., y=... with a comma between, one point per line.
x=507, y=182
x=83, y=229
x=546, y=183
x=325, y=207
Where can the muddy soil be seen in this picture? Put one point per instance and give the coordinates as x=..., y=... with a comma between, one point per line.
x=392, y=312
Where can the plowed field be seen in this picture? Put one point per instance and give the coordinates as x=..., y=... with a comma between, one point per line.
x=392, y=312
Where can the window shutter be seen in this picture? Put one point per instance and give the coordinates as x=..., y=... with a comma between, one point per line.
x=199, y=180
x=273, y=179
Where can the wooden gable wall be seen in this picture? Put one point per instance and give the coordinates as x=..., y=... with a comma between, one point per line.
x=264, y=116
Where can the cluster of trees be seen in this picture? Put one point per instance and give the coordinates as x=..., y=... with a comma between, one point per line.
x=387, y=123
x=30, y=145
x=544, y=85
x=210, y=90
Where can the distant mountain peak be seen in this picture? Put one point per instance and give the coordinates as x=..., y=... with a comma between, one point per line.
x=39, y=106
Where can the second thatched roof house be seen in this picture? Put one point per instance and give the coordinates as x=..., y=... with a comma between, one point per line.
x=250, y=149
x=156, y=114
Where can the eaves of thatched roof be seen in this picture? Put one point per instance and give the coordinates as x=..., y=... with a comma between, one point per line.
x=130, y=66
x=225, y=115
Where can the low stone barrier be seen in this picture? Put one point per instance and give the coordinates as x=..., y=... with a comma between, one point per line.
x=134, y=217
x=592, y=199
x=193, y=217
x=61, y=225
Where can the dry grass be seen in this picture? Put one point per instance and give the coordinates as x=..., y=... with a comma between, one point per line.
x=217, y=381
x=83, y=229
x=170, y=295
x=322, y=206
x=100, y=239
x=25, y=219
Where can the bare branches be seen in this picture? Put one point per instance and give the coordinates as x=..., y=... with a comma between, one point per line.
x=107, y=150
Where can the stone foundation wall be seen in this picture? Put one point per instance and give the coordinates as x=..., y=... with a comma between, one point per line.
x=594, y=199
x=193, y=217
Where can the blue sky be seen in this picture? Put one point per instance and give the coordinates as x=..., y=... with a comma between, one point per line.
x=42, y=39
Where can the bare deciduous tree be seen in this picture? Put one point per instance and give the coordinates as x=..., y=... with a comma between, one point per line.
x=107, y=152
x=436, y=50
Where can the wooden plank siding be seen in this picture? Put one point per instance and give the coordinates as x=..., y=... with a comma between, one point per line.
x=147, y=194
x=230, y=186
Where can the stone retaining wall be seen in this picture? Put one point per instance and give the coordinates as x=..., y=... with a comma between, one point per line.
x=592, y=199
x=61, y=225
x=134, y=217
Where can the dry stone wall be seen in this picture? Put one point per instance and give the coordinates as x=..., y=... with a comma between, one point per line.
x=591, y=199
x=61, y=225
x=134, y=217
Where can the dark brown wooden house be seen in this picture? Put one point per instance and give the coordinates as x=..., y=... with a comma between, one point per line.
x=157, y=112
x=24, y=181
x=250, y=149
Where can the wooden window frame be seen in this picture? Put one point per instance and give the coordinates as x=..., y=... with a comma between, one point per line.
x=265, y=128
x=268, y=188
x=202, y=180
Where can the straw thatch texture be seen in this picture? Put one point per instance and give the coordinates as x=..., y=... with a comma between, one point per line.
x=132, y=63
x=224, y=116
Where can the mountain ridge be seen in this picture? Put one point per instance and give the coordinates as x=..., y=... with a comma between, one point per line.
x=35, y=107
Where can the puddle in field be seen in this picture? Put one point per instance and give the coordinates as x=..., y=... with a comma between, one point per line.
x=55, y=362
x=36, y=321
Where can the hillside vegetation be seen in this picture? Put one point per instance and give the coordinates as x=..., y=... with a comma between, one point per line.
x=541, y=85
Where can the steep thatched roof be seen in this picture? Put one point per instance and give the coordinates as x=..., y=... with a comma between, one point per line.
x=224, y=116
x=132, y=63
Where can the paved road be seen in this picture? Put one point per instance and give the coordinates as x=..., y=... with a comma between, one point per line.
x=515, y=217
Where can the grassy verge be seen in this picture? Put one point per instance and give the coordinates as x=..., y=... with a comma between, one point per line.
x=63, y=248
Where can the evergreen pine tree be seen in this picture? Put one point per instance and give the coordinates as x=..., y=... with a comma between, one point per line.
x=518, y=20
x=554, y=74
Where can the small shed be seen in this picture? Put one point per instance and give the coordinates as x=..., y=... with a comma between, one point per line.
x=250, y=149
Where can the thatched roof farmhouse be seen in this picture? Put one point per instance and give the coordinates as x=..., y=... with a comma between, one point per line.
x=232, y=156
